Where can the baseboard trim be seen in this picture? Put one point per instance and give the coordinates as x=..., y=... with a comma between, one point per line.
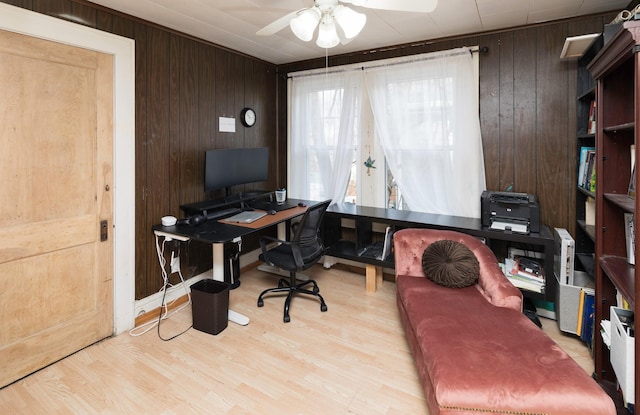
x=149, y=308
x=155, y=313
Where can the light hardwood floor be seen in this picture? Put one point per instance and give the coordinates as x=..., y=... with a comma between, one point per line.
x=353, y=359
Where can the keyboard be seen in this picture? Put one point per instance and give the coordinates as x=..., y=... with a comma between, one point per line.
x=245, y=217
x=216, y=214
x=264, y=205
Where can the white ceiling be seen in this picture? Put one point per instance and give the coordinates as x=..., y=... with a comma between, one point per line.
x=233, y=23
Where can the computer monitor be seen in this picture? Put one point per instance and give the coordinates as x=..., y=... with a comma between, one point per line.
x=231, y=167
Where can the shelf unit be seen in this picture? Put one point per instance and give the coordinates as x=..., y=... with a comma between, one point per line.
x=585, y=231
x=352, y=247
x=616, y=69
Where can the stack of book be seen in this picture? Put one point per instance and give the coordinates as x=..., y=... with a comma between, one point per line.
x=587, y=169
x=525, y=273
x=586, y=310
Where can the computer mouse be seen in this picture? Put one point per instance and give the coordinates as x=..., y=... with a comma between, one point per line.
x=271, y=212
x=302, y=204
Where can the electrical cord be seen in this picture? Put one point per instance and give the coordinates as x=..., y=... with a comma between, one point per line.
x=175, y=311
x=164, y=314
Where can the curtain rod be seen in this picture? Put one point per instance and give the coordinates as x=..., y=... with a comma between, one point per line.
x=374, y=64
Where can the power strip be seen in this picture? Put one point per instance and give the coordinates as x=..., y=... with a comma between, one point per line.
x=170, y=236
x=175, y=263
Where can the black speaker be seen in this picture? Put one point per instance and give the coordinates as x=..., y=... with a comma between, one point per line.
x=194, y=220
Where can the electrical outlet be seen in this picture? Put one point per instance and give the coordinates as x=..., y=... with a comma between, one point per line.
x=175, y=264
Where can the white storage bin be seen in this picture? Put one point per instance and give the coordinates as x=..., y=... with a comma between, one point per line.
x=622, y=352
x=568, y=301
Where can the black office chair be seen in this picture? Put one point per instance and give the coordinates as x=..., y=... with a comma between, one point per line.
x=302, y=252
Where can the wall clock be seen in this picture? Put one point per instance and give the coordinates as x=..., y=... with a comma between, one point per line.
x=248, y=117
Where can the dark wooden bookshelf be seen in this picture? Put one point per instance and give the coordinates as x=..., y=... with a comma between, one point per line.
x=616, y=73
x=624, y=202
x=622, y=275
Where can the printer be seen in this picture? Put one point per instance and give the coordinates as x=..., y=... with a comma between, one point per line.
x=509, y=211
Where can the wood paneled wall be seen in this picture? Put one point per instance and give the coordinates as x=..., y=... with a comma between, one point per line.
x=527, y=114
x=527, y=108
x=182, y=86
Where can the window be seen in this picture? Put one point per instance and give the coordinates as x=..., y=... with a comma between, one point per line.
x=421, y=131
x=323, y=134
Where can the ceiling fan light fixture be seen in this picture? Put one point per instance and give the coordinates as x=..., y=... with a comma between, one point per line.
x=349, y=20
x=305, y=23
x=327, y=34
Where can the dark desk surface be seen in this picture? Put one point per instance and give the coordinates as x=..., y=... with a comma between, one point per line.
x=405, y=218
x=214, y=231
x=364, y=215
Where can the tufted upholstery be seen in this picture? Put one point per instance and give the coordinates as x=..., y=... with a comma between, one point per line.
x=409, y=244
x=476, y=353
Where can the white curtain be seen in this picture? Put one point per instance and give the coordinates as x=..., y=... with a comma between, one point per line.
x=324, y=128
x=426, y=116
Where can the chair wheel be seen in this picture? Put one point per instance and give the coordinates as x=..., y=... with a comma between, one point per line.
x=260, y=303
x=323, y=307
x=286, y=319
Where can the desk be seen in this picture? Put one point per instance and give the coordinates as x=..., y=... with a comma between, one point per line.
x=364, y=216
x=218, y=233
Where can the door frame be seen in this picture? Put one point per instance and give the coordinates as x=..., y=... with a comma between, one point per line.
x=30, y=23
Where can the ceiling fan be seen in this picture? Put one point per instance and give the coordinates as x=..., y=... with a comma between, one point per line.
x=328, y=15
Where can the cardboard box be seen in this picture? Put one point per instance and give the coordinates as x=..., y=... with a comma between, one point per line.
x=590, y=211
x=622, y=352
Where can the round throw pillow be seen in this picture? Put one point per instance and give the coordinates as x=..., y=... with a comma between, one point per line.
x=450, y=264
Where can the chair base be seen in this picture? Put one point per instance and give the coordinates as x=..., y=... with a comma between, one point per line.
x=291, y=288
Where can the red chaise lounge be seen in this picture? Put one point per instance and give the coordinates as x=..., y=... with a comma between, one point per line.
x=476, y=353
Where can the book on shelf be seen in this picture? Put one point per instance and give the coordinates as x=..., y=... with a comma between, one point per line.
x=591, y=125
x=379, y=250
x=630, y=237
x=526, y=280
x=583, y=162
x=586, y=311
x=632, y=184
x=586, y=331
x=632, y=180
x=580, y=313
x=525, y=283
x=588, y=170
x=528, y=268
x=388, y=243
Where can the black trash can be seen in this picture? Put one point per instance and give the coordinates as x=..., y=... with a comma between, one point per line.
x=210, y=305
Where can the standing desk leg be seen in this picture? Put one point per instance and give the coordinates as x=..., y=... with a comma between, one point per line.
x=218, y=275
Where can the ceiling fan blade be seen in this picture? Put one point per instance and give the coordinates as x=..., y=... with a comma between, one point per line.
x=419, y=6
x=278, y=25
